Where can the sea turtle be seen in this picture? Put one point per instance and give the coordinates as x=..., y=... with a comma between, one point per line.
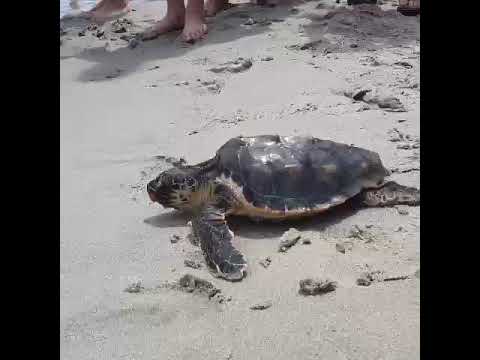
x=272, y=177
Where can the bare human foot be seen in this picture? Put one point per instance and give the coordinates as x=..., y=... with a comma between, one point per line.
x=107, y=9
x=212, y=7
x=195, y=27
x=409, y=7
x=410, y=3
x=174, y=20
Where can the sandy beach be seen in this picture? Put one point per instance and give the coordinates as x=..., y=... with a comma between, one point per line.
x=129, y=109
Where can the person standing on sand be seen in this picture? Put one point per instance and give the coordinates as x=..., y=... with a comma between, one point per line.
x=190, y=18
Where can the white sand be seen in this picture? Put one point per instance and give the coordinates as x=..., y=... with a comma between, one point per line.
x=112, y=235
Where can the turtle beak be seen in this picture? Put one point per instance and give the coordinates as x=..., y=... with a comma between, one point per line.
x=151, y=189
x=152, y=197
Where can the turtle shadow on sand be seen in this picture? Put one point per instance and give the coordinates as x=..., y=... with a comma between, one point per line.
x=167, y=220
x=250, y=229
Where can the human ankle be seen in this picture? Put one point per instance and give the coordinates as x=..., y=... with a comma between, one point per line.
x=194, y=7
x=176, y=17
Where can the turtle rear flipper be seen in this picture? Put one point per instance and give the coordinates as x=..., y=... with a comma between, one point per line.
x=390, y=194
x=210, y=227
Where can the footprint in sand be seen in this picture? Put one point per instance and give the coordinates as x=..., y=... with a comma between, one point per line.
x=235, y=66
x=377, y=97
x=212, y=86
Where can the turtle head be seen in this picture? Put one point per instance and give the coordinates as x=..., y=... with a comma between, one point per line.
x=173, y=188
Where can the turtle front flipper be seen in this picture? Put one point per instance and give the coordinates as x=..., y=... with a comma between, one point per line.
x=390, y=194
x=210, y=227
